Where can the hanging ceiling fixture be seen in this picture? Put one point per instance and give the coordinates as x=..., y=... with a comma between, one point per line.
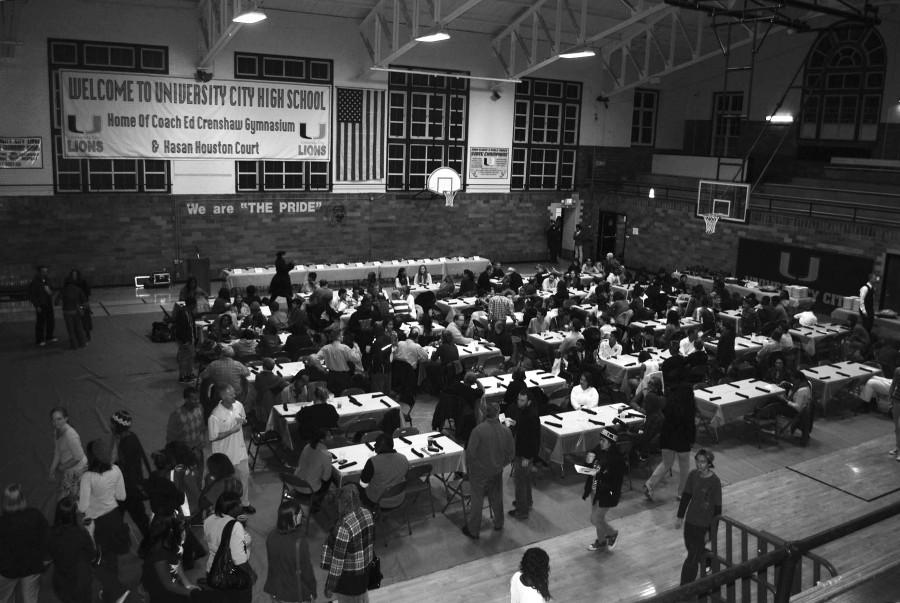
x=579, y=52
x=433, y=35
x=251, y=15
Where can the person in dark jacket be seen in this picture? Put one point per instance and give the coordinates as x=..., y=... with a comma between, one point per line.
x=185, y=337
x=73, y=301
x=129, y=455
x=526, y=428
x=23, y=546
x=40, y=294
x=290, y=576
x=72, y=551
x=604, y=488
x=281, y=282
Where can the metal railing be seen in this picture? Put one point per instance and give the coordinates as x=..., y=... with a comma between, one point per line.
x=772, y=575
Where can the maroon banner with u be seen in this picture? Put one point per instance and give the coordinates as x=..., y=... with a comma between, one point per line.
x=829, y=276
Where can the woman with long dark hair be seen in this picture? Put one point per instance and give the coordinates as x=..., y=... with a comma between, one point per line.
x=290, y=578
x=72, y=551
x=531, y=584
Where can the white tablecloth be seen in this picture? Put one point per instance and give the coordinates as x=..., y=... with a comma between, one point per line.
x=731, y=401
x=659, y=324
x=579, y=430
x=828, y=378
x=448, y=460
x=495, y=387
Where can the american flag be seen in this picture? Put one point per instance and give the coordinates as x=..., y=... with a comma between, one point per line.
x=360, y=135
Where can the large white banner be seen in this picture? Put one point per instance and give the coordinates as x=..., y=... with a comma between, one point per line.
x=113, y=115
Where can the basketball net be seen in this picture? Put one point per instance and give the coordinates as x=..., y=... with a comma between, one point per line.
x=711, y=221
x=449, y=196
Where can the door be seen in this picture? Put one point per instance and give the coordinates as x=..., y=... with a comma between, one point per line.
x=890, y=284
x=611, y=235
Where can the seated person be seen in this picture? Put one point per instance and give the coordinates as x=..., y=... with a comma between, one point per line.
x=652, y=403
x=314, y=467
x=447, y=288
x=269, y=343
x=268, y=388
x=467, y=286
x=795, y=404
x=255, y=320
x=609, y=348
x=387, y=468
x=512, y=390
x=649, y=370
x=778, y=372
x=539, y=323
x=297, y=341
x=279, y=317
x=222, y=302
x=320, y=415
x=223, y=328
x=501, y=337
x=584, y=395
x=456, y=328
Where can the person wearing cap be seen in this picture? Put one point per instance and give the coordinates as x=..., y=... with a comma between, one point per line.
x=699, y=510
x=226, y=435
x=387, y=468
x=128, y=453
x=489, y=450
x=226, y=369
x=604, y=487
x=101, y=490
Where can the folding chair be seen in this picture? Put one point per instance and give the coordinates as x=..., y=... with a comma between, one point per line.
x=393, y=499
x=418, y=481
x=295, y=488
x=259, y=437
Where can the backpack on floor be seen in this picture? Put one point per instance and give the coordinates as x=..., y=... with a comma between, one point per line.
x=161, y=332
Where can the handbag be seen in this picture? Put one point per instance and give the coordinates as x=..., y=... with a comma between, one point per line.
x=375, y=575
x=224, y=574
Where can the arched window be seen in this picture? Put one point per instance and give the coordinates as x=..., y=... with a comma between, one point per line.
x=843, y=84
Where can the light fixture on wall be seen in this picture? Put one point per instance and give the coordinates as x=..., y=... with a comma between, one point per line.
x=780, y=118
x=251, y=15
x=578, y=52
x=433, y=35
x=495, y=95
x=652, y=193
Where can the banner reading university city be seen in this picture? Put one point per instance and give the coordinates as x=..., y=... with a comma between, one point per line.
x=113, y=115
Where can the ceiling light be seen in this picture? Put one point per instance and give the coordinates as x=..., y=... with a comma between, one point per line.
x=578, y=53
x=780, y=118
x=252, y=15
x=435, y=36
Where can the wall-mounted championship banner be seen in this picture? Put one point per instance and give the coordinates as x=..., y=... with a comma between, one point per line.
x=21, y=152
x=115, y=115
x=488, y=163
x=829, y=276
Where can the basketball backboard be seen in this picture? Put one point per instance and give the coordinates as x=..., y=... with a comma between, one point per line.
x=444, y=181
x=728, y=201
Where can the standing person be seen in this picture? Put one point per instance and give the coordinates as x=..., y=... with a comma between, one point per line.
x=225, y=527
x=186, y=425
x=281, y=282
x=676, y=436
x=73, y=302
x=87, y=322
x=40, y=294
x=72, y=552
x=700, y=507
x=226, y=436
x=531, y=584
x=129, y=455
x=490, y=449
x=290, y=578
x=867, y=302
x=23, y=547
x=102, y=489
x=185, y=336
x=579, y=243
x=894, y=394
x=604, y=488
x=163, y=577
x=349, y=550
x=527, y=431
x=69, y=459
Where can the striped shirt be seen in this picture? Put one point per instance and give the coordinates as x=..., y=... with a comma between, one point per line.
x=499, y=307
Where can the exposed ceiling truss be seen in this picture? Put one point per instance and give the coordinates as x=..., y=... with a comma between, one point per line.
x=10, y=12
x=392, y=26
x=217, y=28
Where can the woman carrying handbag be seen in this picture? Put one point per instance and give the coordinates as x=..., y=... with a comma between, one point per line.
x=228, y=569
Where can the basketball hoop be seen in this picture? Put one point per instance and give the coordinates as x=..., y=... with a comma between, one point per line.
x=711, y=220
x=444, y=181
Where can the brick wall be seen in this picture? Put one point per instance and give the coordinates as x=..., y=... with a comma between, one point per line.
x=112, y=238
x=670, y=235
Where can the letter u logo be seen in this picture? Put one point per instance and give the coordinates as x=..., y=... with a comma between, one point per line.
x=73, y=125
x=320, y=136
x=812, y=268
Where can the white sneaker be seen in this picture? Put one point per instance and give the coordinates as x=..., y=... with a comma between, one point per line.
x=893, y=452
x=123, y=597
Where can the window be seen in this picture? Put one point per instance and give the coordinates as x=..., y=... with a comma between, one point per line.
x=843, y=84
x=103, y=175
x=728, y=113
x=427, y=125
x=643, y=118
x=545, y=134
x=264, y=175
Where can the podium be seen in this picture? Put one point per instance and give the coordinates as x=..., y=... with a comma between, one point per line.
x=199, y=269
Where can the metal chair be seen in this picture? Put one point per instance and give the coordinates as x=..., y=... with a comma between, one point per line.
x=560, y=399
x=295, y=488
x=353, y=391
x=259, y=437
x=354, y=430
x=393, y=499
x=371, y=436
x=418, y=481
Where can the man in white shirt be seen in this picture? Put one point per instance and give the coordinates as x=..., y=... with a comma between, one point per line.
x=455, y=329
x=226, y=435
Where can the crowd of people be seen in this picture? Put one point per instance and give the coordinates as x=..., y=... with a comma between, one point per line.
x=398, y=340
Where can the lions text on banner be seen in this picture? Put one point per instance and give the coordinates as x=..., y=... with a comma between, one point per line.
x=360, y=135
x=114, y=115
